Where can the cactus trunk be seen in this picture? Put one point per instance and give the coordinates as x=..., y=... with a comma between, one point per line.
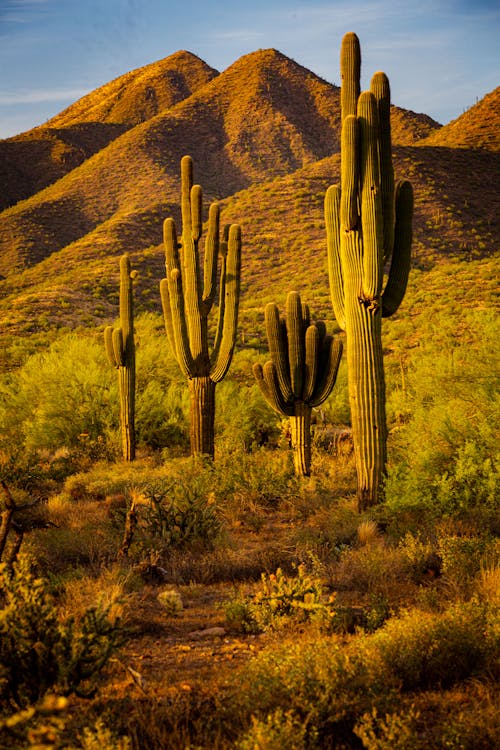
x=366, y=385
x=126, y=386
x=300, y=424
x=202, y=415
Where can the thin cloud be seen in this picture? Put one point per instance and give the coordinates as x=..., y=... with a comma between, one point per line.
x=39, y=96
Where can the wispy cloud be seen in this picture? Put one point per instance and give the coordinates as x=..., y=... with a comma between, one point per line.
x=39, y=96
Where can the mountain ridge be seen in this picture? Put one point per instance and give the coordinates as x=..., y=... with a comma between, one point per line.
x=265, y=121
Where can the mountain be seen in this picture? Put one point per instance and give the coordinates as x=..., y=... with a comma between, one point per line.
x=31, y=161
x=264, y=136
x=478, y=127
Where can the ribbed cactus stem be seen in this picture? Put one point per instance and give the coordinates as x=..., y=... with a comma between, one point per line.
x=301, y=373
x=367, y=225
x=300, y=424
x=120, y=348
x=188, y=295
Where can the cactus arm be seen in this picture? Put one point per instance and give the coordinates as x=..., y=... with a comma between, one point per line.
x=371, y=205
x=196, y=201
x=349, y=212
x=108, y=344
x=191, y=285
x=331, y=356
x=400, y=264
x=278, y=348
x=296, y=346
x=312, y=355
x=211, y=258
x=118, y=348
x=177, y=317
x=231, y=304
x=332, y=223
x=268, y=382
x=167, y=315
x=350, y=74
x=382, y=93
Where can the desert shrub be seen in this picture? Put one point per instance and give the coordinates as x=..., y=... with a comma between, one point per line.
x=243, y=420
x=449, y=394
x=65, y=397
x=280, y=729
x=394, y=731
x=38, y=651
x=162, y=416
x=431, y=650
x=281, y=600
x=178, y=514
x=320, y=681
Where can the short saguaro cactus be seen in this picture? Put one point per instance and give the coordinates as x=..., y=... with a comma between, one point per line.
x=120, y=348
x=301, y=372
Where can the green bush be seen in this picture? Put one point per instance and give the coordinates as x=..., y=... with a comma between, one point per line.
x=434, y=650
x=443, y=416
x=178, y=514
x=39, y=653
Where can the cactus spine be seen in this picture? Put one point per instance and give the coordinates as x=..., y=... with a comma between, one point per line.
x=301, y=373
x=187, y=300
x=120, y=348
x=368, y=224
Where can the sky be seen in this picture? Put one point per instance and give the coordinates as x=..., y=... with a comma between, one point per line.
x=441, y=56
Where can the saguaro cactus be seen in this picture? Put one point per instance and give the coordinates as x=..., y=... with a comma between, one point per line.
x=368, y=225
x=187, y=300
x=120, y=347
x=301, y=373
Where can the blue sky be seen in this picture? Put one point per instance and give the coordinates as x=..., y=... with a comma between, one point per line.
x=441, y=56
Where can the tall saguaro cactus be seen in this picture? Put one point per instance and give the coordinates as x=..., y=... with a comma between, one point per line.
x=120, y=348
x=187, y=300
x=368, y=225
x=301, y=373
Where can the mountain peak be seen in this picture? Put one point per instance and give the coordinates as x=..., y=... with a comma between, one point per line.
x=141, y=94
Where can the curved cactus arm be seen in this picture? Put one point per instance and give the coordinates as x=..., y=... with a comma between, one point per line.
x=267, y=379
x=296, y=344
x=331, y=356
x=175, y=320
x=382, y=92
x=312, y=361
x=371, y=206
x=395, y=288
x=278, y=348
x=350, y=73
x=211, y=258
x=332, y=223
x=231, y=293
